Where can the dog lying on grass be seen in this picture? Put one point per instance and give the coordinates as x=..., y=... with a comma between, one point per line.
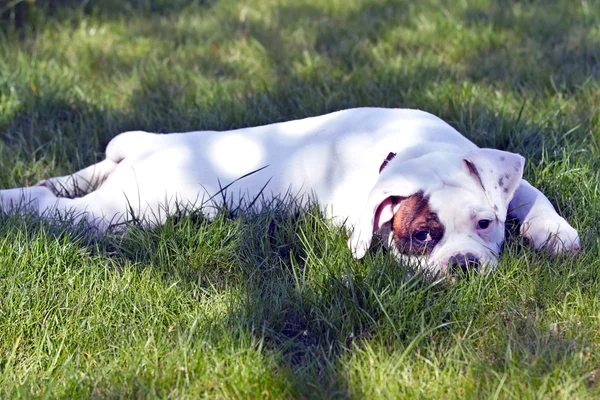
x=433, y=196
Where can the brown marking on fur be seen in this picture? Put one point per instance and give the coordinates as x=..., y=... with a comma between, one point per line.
x=412, y=217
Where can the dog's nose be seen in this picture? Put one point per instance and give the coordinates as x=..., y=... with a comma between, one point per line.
x=464, y=262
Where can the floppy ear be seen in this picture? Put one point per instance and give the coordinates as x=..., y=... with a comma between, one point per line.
x=499, y=173
x=394, y=185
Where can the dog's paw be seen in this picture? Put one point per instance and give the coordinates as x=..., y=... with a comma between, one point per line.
x=551, y=232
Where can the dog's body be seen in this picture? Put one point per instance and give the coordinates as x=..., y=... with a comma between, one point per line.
x=438, y=199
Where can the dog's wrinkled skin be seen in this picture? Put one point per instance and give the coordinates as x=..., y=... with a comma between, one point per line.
x=441, y=201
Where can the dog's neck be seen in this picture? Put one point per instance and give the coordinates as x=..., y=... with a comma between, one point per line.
x=387, y=160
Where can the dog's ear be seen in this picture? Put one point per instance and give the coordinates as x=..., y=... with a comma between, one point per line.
x=499, y=173
x=395, y=184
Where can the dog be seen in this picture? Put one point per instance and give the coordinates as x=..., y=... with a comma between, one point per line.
x=433, y=196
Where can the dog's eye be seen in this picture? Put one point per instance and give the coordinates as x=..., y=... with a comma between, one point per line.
x=422, y=235
x=483, y=223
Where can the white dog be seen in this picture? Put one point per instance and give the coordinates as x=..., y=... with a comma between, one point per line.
x=433, y=195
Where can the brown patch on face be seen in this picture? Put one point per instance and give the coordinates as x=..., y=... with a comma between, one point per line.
x=416, y=228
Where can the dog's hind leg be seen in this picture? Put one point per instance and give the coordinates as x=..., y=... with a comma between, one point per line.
x=124, y=145
x=131, y=144
x=99, y=208
x=81, y=182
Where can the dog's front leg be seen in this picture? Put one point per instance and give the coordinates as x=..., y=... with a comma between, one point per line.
x=540, y=223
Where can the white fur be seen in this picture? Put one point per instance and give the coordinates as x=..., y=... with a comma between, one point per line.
x=334, y=158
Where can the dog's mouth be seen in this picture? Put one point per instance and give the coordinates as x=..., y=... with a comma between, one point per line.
x=423, y=254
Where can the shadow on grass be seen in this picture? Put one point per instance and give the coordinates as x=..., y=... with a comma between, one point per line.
x=309, y=302
x=302, y=294
x=26, y=14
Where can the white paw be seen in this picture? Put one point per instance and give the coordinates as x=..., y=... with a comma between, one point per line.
x=551, y=232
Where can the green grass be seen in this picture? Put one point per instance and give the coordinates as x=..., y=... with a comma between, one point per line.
x=273, y=305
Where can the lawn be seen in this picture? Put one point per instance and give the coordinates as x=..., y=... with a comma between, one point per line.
x=273, y=305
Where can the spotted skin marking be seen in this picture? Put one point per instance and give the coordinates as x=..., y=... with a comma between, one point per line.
x=517, y=167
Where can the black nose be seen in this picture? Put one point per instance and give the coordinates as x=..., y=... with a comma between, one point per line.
x=464, y=262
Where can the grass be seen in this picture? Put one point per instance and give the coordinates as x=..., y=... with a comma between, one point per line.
x=273, y=305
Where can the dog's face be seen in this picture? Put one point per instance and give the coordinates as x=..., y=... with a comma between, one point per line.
x=442, y=211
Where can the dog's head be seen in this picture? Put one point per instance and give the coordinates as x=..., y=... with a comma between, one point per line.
x=442, y=210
